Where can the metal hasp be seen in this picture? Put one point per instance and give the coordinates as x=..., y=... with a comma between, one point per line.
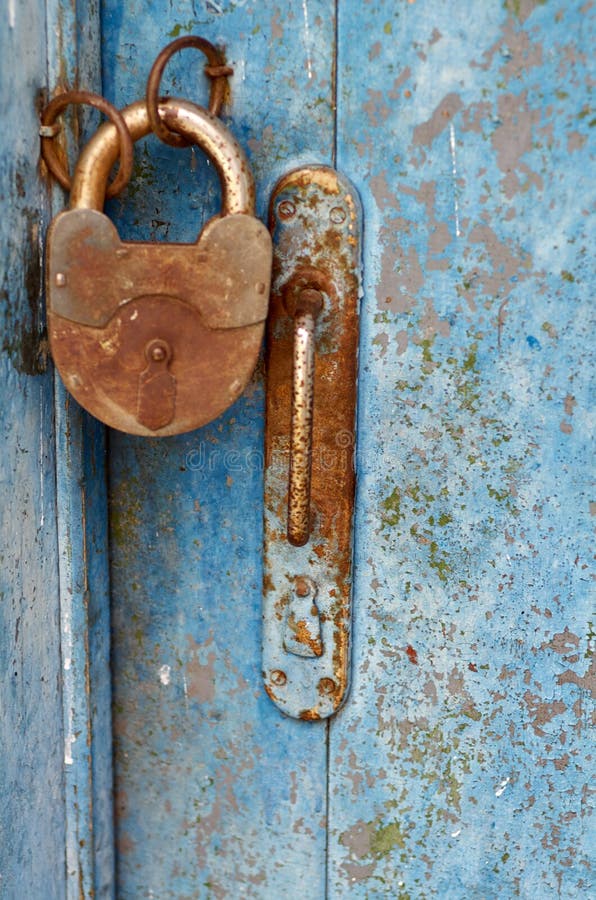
x=312, y=346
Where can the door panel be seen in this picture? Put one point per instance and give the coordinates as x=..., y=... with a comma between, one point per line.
x=217, y=795
x=458, y=767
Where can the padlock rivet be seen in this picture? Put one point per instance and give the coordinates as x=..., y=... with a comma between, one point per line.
x=158, y=354
x=286, y=209
x=278, y=677
x=60, y=279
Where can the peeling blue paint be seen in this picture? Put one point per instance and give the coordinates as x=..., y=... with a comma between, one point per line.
x=460, y=765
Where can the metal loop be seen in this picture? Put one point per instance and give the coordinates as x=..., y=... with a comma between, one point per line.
x=48, y=148
x=216, y=69
x=196, y=124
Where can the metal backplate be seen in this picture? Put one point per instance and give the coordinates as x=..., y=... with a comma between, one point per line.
x=315, y=220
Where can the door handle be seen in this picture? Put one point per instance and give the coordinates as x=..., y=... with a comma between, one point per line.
x=312, y=343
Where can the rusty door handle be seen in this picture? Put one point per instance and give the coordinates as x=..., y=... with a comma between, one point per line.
x=312, y=346
x=308, y=306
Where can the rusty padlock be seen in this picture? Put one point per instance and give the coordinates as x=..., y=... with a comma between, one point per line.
x=155, y=338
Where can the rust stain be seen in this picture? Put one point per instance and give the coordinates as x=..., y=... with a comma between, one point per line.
x=412, y=655
x=309, y=715
x=303, y=635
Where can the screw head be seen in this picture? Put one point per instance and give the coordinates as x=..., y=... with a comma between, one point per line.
x=304, y=586
x=337, y=215
x=60, y=279
x=327, y=685
x=286, y=209
x=278, y=677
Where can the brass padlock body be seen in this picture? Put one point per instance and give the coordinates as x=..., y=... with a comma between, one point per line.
x=155, y=338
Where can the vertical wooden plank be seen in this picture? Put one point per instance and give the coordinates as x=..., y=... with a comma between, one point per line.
x=32, y=808
x=56, y=781
x=459, y=767
x=85, y=648
x=74, y=61
x=217, y=794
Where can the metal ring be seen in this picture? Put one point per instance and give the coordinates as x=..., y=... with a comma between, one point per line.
x=48, y=148
x=215, y=69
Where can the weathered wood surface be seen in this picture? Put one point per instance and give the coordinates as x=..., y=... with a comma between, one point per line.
x=55, y=771
x=459, y=766
x=217, y=794
x=32, y=827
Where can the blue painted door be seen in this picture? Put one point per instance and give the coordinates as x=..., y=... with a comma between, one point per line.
x=459, y=766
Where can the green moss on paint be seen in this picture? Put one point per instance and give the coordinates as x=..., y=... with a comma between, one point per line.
x=386, y=838
x=382, y=318
x=500, y=439
x=392, y=507
x=438, y=561
x=469, y=395
x=388, y=28
x=469, y=363
x=550, y=330
x=403, y=385
x=426, y=354
x=567, y=276
x=499, y=496
x=182, y=27
x=126, y=514
x=515, y=7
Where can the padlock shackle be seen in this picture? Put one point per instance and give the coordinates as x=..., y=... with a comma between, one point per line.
x=90, y=179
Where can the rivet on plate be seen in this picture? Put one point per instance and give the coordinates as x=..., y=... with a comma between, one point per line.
x=304, y=585
x=337, y=215
x=326, y=685
x=286, y=209
x=158, y=354
x=60, y=279
x=278, y=677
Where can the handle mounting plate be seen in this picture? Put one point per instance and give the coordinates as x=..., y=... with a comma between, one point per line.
x=315, y=221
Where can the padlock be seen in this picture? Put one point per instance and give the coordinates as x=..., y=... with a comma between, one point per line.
x=157, y=338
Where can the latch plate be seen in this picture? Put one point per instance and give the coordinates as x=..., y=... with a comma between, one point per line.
x=315, y=220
